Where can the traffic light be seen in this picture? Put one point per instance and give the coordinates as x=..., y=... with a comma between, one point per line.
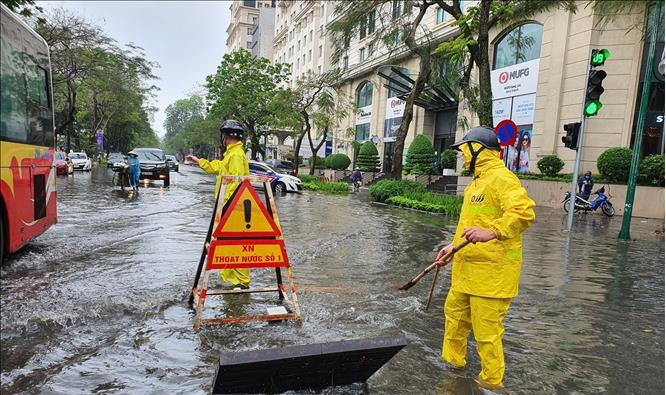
x=595, y=78
x=571, y=138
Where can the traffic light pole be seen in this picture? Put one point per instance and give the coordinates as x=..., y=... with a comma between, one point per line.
x=579, y=149
x=656, y=11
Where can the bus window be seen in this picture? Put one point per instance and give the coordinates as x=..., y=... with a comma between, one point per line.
x=38, y=85
x=13, y=126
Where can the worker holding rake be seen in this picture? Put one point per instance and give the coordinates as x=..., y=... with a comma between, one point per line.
x=495, y=213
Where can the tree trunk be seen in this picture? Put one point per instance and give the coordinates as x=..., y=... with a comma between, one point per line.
x=425, y=69
x=485, y=108
x=297, y=149
x=315, y=150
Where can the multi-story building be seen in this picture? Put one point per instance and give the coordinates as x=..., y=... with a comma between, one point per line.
x=244, y=16
x=300, y=36
x=548, y=77
x=262, y=34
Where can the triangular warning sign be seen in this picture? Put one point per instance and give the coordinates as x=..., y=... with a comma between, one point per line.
x=246, y=216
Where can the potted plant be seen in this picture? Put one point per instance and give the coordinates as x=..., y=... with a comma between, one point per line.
x=448, y=162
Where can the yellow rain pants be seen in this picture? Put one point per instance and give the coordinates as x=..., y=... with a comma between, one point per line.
x=485, y=276
x=234, y=163
x=463, y=313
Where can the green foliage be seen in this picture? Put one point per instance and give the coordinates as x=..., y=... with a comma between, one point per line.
x=652, y=170
x=334, y=188
x=449, y=159
x=337, y=162
x=309, y=178
x=97, y=85
x=420, y=156
x=368, y=157
x=243, y=88
x=614, y=164
x=550, y=165
x=431, y=202
x=385, y=189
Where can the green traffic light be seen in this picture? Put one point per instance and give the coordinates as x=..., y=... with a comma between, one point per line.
x=592, y=108
x=599, y=57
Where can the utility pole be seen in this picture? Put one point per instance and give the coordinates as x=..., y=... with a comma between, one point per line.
x=655, y=12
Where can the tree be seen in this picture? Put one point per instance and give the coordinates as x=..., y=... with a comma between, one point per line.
x=368, y=157
x=178, y=117
x=401, y=30
x=93, y=75
x=27, y=8
x=242, y=89
x=420, y=156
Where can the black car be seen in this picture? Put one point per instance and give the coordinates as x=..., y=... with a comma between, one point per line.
x=172, y=162
x=153, y=164
x=114, y=157
x=283, y=166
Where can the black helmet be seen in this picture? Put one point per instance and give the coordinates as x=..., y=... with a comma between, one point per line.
x=232, y=128
x=481, y=134
x=588, y=174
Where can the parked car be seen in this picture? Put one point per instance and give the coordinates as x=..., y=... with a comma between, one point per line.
x=153, y=165
x=281, y=182
x=282, y=166
x=63, y=165
x=113, y=158
x=80, y=161
x=172, y=162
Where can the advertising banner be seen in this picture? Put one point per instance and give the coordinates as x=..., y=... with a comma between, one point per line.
x=519, y=79
x=501, y=110
x=363, y=115
x=523, y=109
x=394, y=109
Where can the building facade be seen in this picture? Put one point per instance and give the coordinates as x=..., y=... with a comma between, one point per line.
x=244, y=16
x=539, y=85
x=262, y=34
x=300, y=38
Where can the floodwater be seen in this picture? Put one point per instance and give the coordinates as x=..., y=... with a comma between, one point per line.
x=97, y=305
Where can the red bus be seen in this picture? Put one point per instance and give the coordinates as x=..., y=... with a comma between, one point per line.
x=27, y=143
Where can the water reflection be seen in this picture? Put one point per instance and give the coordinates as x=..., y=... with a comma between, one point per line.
x=98, y=303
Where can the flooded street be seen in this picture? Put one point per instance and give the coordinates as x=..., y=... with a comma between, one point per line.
x=97, y=304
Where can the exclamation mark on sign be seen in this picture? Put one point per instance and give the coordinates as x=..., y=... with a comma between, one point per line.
x=247, y=204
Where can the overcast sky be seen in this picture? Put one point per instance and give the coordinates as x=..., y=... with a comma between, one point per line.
x=187, y=39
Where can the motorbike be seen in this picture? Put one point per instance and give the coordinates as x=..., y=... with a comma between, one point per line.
x=356, y=186
x=601, y=201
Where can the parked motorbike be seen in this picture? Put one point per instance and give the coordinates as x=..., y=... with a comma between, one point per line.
x=601, y=201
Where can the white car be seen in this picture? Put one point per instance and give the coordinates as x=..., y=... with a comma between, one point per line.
x=280, y=183
x=80, y=161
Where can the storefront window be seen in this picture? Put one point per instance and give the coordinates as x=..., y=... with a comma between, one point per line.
x=364, y=103
x=364, y=95
x=519, y=45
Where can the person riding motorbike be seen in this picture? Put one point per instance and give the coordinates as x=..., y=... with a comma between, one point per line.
x=585, y=184
x=356, y=179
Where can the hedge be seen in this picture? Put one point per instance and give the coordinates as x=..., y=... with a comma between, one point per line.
x=309, y=178
x=335, y=188
x=337, y=162
x=420, y=156
x=651, y=170
x=385, y=189
x=550, y=165
x=450, y=207
x=614, y=164
x=368, y=157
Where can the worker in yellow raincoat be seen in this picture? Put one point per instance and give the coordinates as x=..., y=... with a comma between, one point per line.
x=496, y=211
x=234, y=163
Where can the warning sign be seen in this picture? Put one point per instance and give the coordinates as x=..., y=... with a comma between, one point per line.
x=246, y=216
x=238, y=254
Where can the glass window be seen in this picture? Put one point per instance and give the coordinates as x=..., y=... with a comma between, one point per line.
x=249, y=44
x=310, y=55
x=362, y=28
x=361, y=54
x=364, y=94
x=441, y=15
x=13, y=117
x=363, y=132
x=371, y=49
x=345, y=63
x=521, y=44
x=396, y=8
x=321, y=51
x=249, y=3
x=371, y=22
x=311, y=35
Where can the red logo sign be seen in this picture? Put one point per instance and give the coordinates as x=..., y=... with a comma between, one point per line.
x=503, y=77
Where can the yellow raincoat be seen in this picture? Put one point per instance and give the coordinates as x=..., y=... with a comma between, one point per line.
x=485, y=275
x=234, y=163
